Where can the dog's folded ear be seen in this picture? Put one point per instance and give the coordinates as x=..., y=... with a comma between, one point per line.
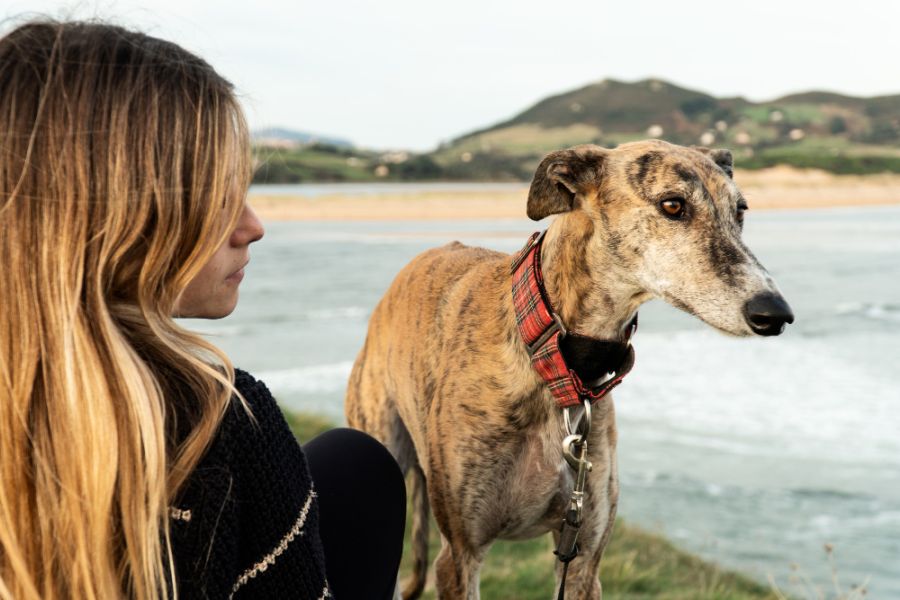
x=721, y=157
x=561, y=177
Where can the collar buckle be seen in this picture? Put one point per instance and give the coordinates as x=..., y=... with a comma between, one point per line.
x=555, y=326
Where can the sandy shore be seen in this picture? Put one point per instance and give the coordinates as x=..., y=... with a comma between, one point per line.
x=776, y=188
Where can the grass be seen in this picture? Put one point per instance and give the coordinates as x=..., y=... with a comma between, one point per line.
x=306, y=426
x=523, y=139
x=803, y=587
x=636, y=565
x=840, y=163
x=797, y=114
x=311, y=164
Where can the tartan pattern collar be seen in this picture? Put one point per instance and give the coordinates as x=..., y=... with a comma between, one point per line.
x=543, y=332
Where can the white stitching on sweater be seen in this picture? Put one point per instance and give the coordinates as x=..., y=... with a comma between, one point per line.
x=269, y=559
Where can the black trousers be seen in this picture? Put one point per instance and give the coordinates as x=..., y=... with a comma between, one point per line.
x=362, y=512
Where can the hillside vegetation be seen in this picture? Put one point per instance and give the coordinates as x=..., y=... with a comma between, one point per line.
x=837, y=133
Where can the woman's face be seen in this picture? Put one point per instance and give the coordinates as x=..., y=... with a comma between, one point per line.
x=213, y=293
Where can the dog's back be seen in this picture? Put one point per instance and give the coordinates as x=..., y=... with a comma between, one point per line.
x=434, y=306
x=432, y=310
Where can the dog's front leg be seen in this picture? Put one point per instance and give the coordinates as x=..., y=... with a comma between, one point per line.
x=582, y=579
x=456, y=573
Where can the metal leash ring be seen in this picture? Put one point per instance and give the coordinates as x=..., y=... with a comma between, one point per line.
x=571, y=450
x=583, y=426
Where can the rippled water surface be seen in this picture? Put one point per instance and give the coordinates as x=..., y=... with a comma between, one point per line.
x=754, y=452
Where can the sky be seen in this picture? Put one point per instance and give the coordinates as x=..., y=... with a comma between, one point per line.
x=413, y=73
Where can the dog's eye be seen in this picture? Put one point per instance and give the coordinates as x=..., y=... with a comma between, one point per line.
x=673, y=207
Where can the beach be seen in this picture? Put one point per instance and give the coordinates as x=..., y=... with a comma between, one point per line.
x=778, y=188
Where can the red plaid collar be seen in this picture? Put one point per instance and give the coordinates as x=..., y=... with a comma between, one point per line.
x=542, y=331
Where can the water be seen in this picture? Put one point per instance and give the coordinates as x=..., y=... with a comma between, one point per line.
x=316, y=190
x=752, y=452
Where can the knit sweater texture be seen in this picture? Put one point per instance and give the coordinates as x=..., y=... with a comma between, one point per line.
x=246, y=525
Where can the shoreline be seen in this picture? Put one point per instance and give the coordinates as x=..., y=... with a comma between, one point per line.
x=778, y=188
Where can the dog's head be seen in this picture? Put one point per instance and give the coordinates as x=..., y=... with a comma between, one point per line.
x=667, y=219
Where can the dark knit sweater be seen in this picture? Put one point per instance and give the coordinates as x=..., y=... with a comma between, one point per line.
x=246, y=525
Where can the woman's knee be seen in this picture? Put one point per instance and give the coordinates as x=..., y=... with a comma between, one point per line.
x=344, y=452
x=362, y=505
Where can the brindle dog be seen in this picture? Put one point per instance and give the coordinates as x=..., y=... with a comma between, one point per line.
x=445, y=381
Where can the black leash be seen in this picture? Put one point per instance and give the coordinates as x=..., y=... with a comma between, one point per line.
x=565, y=560
x=562, y=582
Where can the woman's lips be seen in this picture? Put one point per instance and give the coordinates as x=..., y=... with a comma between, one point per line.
x=237, y=276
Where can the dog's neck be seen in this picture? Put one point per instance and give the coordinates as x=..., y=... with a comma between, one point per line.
x=596, y=302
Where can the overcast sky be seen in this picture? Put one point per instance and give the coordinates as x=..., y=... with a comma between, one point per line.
x=411, y=73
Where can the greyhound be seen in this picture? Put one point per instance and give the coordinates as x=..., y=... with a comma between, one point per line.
x=446, y=381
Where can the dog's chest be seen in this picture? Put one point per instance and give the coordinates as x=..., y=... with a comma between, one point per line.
x=535, y=493
x=533, y=498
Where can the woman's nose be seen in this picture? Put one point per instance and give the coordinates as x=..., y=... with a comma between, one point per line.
x=249, y=228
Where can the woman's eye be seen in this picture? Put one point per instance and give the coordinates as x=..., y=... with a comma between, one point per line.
x=673, y=207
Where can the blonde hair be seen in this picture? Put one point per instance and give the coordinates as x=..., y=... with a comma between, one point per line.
x=124, y=161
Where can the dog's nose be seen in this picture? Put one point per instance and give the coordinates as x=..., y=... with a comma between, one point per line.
x=767, y=314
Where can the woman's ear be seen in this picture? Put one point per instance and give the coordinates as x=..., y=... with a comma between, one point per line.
x=561, y=177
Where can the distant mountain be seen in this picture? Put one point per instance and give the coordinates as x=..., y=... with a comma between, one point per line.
x=289, y=138
x=818, y=129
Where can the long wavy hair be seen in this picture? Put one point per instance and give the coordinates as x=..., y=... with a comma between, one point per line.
x=124, y=161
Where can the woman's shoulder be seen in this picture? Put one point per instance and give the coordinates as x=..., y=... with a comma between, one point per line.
x=245, y=382
x=254, y=450
x=254, y=391
x=259, y=413
x=257, y=425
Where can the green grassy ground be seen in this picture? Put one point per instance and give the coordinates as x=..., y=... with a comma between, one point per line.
x=637, y=564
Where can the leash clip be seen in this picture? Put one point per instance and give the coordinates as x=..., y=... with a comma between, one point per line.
x=567, y=548
x=575, y=453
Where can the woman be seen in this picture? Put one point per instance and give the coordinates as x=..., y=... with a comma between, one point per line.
x=134, y=461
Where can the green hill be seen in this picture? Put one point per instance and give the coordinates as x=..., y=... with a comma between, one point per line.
x=620, y=107
x=816, y=129
x=838, y=133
